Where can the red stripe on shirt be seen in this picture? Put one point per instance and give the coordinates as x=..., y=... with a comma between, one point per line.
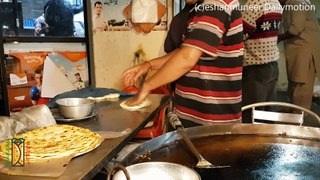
x=263, y=35
x=212, y=117
x=209, y=93
x=210, y=20
x=235, y=23
x=231, y=47
x=270, y=17
x=201, y=45
x=227, y=1
x=217, y=69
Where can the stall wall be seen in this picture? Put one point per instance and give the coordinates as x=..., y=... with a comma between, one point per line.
x=115, y=51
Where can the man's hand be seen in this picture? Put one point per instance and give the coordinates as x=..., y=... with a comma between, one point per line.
x=284, y=36
x=105, y=26
x=139, y=98
x=37, y=31
x=131, y=75
x=280, y=38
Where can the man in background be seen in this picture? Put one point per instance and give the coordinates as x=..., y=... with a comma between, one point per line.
x=99, y=23
x=261, y=53
x=40, y=26
x=35, y=91
x=178, y=28
x=302, y=50
x=58, y=15
x=79, y=84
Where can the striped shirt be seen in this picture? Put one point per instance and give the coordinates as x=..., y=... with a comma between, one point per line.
x=211, y=91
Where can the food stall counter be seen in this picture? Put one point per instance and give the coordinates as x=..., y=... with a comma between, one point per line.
x=110, y=118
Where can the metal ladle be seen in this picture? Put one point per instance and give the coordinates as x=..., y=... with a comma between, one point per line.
x=202, y=162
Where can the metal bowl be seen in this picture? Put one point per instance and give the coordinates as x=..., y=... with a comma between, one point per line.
x=158, y=170
x=75, y=107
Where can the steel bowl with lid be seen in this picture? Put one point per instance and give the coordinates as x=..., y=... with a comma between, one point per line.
x=75, y=107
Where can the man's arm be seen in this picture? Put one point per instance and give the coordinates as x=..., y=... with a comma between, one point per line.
x=37, y=26
x=157, y=63
x=131, y=75
x=176, y=66
x=285, y=36
x=297, y=19
x=76, y=9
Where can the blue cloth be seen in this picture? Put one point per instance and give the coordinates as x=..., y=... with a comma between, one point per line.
x=35, y=93
x=84, y=93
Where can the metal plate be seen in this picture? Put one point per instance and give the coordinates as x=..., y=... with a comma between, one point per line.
x=58, y=117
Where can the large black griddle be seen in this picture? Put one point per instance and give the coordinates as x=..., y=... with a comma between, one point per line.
x=252, y=151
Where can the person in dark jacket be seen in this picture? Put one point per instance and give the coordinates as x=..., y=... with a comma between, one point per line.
x=59, y=17
x=177, y=31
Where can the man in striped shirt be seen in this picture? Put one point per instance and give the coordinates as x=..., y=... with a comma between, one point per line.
x=207, y=67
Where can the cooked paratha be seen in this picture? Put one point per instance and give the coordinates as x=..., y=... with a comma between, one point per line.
x=55, y=141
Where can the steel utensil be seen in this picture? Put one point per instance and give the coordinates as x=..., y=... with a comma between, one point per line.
x=75, y=107
x=202, y=162
x=154, y=171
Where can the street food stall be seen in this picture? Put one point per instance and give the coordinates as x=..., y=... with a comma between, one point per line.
x=113, y=121
x=103, y=40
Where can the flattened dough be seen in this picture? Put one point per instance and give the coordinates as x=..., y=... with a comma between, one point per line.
x=145, y=103
x=106, y=97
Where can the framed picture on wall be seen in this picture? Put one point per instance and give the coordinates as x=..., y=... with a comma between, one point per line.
x=107, y=15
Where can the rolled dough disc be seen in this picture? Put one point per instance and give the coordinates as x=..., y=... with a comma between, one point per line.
x=145, y=103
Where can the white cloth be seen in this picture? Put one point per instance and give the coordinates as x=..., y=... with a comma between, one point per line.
x=144, y=11
x=28, y=119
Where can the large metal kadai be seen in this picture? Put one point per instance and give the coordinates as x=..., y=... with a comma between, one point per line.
x=253, y=151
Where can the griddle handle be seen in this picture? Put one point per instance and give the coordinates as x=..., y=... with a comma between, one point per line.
x=176, y=123
x=189, y=144
x=116, y=167
x=174, y=120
